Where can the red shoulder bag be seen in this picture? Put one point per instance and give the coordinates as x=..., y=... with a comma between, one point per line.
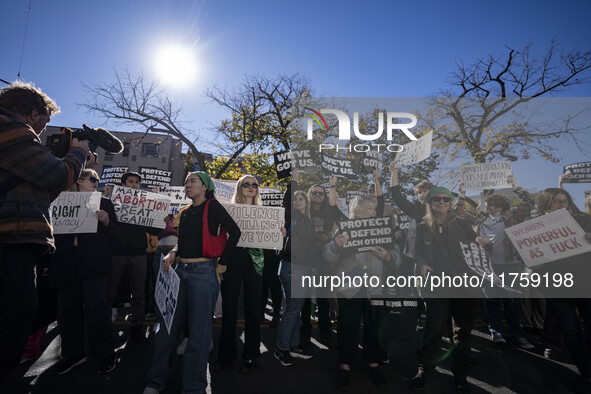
x=213, y=245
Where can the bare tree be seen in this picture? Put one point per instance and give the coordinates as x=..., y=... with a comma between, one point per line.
x=131, y=99
x=487, y=105
x=261, y=112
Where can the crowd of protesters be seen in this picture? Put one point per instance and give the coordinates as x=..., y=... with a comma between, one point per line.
x=200, y=244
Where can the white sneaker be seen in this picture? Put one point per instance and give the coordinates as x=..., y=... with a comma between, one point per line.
x=113, y=314
x=180, y=350
x=498, y=338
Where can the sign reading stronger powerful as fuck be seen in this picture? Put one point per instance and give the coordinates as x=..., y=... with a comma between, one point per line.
x=365, y=234
x=140, y=207
x=547, y=238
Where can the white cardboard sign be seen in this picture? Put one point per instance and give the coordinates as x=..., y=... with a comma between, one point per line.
x=75, y=212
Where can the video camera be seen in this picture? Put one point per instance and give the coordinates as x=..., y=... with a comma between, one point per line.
x=61, y=143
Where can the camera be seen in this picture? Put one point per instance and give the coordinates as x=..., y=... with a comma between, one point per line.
x=60, y=144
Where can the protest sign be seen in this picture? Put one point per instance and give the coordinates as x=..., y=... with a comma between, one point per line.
x=403, y=221
x=478, y=261
x=271, y=197
x=224, y=190
x=177, y=196
x=301, y=159
x=166, y=293
x=351, y=194
x=140, y=207
x=155, y=177
x=343, y=206
x=371, y=160
x=485, y=175
x=260, y=226
x=579, y=172
x=365, y=234
x=415, y=151
x=548, y=238
x=75, y=212
x=341, y=168
x=113, y=175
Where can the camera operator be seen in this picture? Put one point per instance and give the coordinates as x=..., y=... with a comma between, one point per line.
x=30, y=178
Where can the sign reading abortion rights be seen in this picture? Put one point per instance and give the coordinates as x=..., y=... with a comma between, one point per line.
x=341, y=168
x=548, y=238
x=75, y=212
x=113, y=175
x=485, y=175
x=365, y=234
x=166, y=293
x=177, y=197
x=260, y=226
x=415, y=151
x=140, y=207
x=155, y=177
x=579, y=172
x=297, y=158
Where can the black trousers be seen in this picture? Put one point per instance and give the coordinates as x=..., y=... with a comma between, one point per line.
x=437, y=315
x=241, y=271
x=324, y=324
x=18, y=301
x=351, y=311
x=85, y=304
x=271, y=282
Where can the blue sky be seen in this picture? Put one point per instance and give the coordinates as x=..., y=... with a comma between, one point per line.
x=346, y=48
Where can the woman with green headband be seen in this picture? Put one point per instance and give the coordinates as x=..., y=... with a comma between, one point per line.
x=437, y=252
x=198, y=291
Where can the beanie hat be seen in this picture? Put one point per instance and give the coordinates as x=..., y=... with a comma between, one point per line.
x=435, y=191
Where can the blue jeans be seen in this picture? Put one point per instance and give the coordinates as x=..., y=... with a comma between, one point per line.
x=196, y=301
x=289, y=328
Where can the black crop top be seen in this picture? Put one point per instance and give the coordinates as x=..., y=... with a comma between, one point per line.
x=191, y=230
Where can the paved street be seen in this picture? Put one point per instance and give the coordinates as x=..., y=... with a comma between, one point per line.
x=496, y=369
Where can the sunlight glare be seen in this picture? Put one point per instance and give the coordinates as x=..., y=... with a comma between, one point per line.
x=175, y=65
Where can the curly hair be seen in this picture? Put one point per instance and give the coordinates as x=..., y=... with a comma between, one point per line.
x=21, y=98
x=547, y=196
x=498, y=200
x=356, y=204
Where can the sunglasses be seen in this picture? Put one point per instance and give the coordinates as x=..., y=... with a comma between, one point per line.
x=247, y=185
x=93, y=179
x=317, y=193
x=439, y=199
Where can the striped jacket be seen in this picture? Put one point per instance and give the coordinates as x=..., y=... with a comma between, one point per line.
x=24, y=211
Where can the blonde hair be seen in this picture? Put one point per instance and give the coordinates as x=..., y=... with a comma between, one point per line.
x=238, y=197
x=86, y=173
x=429, y=218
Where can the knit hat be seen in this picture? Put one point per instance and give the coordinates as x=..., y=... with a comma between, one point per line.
x=435, y=191
x=206, y=180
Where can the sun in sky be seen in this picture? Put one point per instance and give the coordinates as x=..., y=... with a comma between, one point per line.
x=175, y=65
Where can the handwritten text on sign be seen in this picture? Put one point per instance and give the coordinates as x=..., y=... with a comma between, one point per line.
x=177, y=196
x=485, y=175
x=166, y=294
x=140, y=207
x=415, y=151
x=548, y=238
x=75, y=212
x=260, y=226
x=364, y=234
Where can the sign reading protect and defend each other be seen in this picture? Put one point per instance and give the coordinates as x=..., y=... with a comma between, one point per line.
x=365, y=234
